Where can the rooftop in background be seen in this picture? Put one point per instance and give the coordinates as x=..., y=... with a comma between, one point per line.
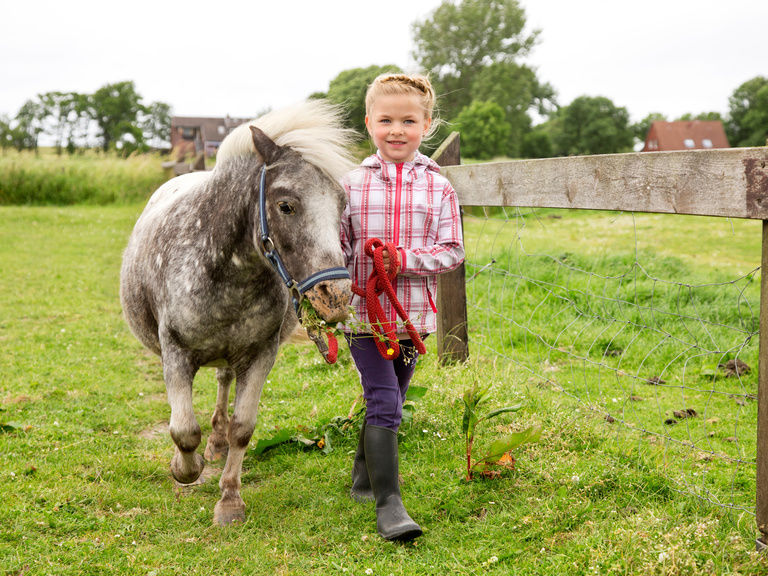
x=192, y=136
x=685, y=135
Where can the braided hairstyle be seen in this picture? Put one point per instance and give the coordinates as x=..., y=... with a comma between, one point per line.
x=410, y=84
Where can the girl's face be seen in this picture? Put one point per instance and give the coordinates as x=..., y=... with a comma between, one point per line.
x=397, y=124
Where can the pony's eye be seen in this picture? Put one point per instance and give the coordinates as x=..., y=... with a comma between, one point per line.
x=286, y=208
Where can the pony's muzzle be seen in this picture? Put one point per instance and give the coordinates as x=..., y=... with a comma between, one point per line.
x=330, y=299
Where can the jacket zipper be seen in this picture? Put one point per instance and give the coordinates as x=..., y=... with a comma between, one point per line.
x=398, y=192
x=396, y=223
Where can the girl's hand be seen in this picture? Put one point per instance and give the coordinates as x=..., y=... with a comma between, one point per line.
x=388, y=262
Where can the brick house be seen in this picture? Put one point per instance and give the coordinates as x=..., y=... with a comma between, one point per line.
x=191, y=136
x=685, y=135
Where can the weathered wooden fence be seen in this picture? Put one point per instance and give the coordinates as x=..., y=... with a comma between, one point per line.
x=729, y=183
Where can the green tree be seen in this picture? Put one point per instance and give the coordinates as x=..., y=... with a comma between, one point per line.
x=484, y=130
x=593, y=125
x=640, y=129
x=62, y=113
x=81, y=126
x=348, y=90
x=706, y=116
x=537, y=144
x=471, y=51
x=6, y=136
x=156, y=123
x=29, y=125
x=458, y=41
x=115, y=108
x=748, y=106
x=516, y=90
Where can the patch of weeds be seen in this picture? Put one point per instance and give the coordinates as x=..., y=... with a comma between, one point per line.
x=500, y=451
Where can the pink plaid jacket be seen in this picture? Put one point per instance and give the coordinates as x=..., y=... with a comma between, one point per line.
x=415, y=208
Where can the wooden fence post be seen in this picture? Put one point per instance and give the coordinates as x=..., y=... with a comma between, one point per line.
x=452, y=337
x=761, y=508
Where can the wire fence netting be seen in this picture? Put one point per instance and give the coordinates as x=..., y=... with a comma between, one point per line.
x=649, y=321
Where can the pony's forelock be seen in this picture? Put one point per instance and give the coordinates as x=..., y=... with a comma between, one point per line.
x=313, y=128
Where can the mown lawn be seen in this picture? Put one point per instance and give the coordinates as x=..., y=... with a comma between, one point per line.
x=84, y=454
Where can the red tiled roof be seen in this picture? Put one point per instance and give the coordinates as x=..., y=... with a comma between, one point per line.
x=686, y=135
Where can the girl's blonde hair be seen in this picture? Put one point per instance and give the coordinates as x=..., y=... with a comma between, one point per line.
x=409, y=84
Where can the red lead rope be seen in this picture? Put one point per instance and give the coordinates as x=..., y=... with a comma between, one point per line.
x=333, y=349
x=330, y=351
x=384, y=331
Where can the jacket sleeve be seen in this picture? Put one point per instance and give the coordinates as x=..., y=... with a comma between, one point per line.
x=448, y=250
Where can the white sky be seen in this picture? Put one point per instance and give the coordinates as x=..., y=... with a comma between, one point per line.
x=240, y=57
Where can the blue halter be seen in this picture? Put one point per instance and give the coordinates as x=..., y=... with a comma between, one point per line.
x=297, y=289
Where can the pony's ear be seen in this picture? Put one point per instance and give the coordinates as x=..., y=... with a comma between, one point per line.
x=266, y=148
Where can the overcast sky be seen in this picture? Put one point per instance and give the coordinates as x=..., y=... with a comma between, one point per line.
x=240, y=57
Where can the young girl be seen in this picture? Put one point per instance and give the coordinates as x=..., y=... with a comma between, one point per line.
x=398, y=196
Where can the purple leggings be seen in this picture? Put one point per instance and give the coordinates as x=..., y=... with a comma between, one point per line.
x=385, y=382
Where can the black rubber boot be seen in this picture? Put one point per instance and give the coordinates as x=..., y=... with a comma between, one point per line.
x=381, y=459
x=361, y=490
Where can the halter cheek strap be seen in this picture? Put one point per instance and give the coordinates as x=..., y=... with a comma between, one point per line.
x=297, y=289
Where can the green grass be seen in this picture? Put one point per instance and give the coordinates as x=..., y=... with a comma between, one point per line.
x=84, y=449
x=86, y=178
x=632, y=316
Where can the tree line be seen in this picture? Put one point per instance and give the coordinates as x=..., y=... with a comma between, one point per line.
x=112, y=118
x=472, y=51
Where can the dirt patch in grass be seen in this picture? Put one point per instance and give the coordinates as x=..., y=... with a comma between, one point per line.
x=155, y=431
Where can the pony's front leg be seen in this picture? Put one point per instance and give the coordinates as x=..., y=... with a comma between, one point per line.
x=250, y=381
x=178, y=372
x=217, y=445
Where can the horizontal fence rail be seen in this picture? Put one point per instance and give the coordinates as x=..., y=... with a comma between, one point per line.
x=730, y=182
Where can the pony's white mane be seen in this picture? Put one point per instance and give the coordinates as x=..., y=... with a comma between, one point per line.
x=313, y=128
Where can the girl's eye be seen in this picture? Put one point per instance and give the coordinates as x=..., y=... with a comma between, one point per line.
x=286, y=208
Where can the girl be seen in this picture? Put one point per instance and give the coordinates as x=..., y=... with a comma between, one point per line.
x=398, y=196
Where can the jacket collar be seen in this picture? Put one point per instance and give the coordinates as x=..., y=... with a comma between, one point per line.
x=412, y=169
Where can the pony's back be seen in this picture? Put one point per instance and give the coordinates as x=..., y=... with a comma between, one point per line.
x=313, y=128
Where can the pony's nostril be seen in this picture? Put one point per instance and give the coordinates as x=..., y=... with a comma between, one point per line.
x=329, y=290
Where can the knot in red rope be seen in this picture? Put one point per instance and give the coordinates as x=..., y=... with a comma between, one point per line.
x=380, y=282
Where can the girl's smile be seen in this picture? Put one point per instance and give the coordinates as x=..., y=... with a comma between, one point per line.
x=397, y=123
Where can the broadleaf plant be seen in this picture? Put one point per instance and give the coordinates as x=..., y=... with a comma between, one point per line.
x=473, y=397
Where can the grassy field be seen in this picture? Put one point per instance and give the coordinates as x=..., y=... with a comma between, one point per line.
x=638, y=318
x=84, y=450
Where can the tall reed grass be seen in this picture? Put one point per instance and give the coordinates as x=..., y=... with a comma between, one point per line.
x=88, y=178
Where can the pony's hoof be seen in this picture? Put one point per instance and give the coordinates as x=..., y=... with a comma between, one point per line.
x=229, y=511
x=215, y=449
x=187, y=468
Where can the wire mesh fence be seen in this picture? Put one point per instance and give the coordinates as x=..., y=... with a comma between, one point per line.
x=649, y=320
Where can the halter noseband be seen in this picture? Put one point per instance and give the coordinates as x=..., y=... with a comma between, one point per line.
x=297, y=289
